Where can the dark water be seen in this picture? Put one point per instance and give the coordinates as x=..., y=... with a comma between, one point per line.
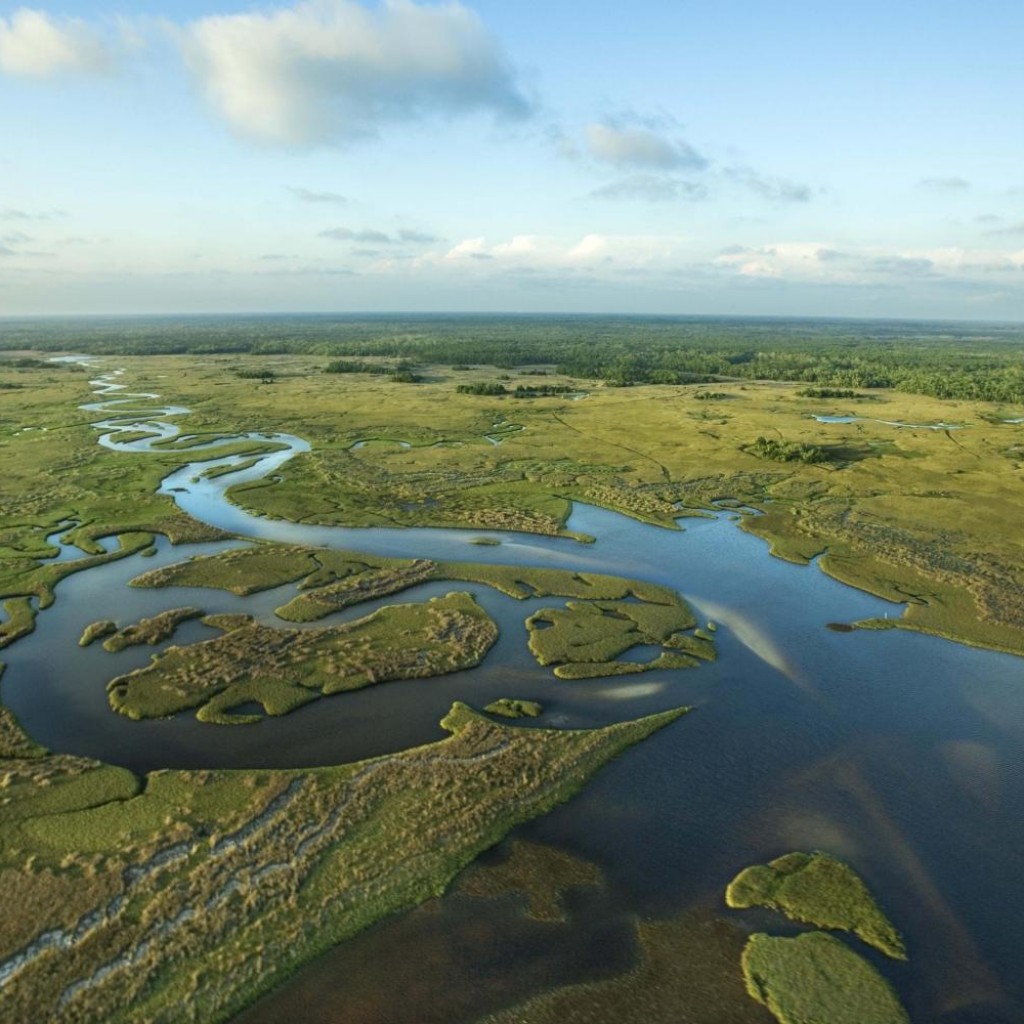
x=899, y=752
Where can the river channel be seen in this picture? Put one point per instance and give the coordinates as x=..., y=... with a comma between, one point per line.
x=900, y=752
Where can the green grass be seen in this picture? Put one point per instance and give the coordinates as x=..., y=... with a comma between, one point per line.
x=817, y=889
x=816, y=978
x=146, y=631
x=96, y=631
x=509, y=707
x=903, y=512
x=281, y=669
x=333, y=849
x=583, y=639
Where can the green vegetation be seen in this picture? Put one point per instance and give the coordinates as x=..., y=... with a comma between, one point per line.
x=96, y=631
x=583, y=639
x=19, y=619
x=540, y=875
x=329, y=580
x=830, y=393
x=946, y=361
x=817, y=889
x=282, y=669
x=815, y=977
x=145, y=631
x=785, y=451
x=188, y=896
x=509, y=707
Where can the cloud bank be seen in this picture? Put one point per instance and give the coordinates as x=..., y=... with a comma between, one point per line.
x=331, y=71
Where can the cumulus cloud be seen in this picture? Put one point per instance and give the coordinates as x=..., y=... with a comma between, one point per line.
x=34, y=44
x=306, y=195
x=632, y=143
x=651, y=188
x=330, y=71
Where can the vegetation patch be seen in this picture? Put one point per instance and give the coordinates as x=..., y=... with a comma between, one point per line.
x=282, y=669
x=785, y=451
x=203, y=889
x=509, y=707
x=147, y=631
x=539, y=875
x=583, y=639
x=815, y=977
x=96, y=631
x=817, y=889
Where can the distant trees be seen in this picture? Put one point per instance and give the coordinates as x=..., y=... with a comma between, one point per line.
x=951, y=360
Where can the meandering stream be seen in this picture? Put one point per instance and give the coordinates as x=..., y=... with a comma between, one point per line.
x=902, y=752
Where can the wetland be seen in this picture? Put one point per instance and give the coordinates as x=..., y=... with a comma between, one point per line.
x=252, y=556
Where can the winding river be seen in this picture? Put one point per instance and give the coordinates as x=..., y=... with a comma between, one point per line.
x=899, y=751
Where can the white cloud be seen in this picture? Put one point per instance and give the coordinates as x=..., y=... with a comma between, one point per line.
x=34, y=44
x=329, y=71
x=816, y=262
x=538, y=253
x=637, y=145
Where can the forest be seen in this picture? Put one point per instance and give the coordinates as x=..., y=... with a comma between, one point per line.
x=979, y=361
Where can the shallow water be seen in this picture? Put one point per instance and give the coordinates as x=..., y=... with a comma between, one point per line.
x=901, y=752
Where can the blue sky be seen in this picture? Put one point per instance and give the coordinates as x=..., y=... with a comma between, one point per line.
x=650, y=157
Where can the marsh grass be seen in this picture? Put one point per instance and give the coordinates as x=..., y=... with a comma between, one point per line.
x=816, y=888
x=815, y=977
x=282, y=669
x=509, y=707
x=206, y=888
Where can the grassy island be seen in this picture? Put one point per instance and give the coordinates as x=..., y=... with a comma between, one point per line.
x=282, y=669
x=584, y=639
x=146, y=631
x=183, y=896
x=817, y=889
x=815, y=977
x=507, y=707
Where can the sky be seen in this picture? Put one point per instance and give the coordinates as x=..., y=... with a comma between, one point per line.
x=656, y=156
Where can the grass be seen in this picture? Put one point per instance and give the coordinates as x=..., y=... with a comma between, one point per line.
x=583, y=639
x=817, y=889
x=509, y=707
x=815, y=977
x=146, y=631
x=281, y=669
x=96, y=631
x=203, y=889
x=904, y=513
